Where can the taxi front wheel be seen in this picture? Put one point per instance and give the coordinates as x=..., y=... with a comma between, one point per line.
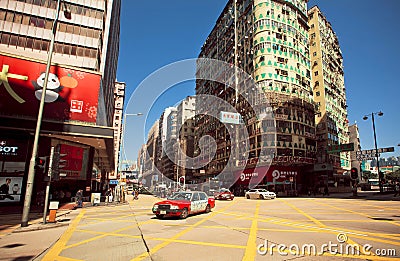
x=184, y=213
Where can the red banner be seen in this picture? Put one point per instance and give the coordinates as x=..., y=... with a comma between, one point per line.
x=71, y=95
x=74, y=161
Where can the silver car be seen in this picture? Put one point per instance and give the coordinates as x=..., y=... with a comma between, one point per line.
x=260, y=194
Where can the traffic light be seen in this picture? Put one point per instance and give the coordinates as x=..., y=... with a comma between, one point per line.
x=182, y=181
x=41, y=163
x=354, y=173
x=58, y=164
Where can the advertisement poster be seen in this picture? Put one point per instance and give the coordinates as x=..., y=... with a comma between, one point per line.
x=275, y=174
x=10, y=189
x=71, y=95
x=74, y=165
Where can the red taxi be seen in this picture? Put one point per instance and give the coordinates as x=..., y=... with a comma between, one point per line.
x=182, y=204
x=224, y=194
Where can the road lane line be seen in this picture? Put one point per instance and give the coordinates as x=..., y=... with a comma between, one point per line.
x=250, y=252
x=165, y=243
x=106, y=234
x=63, y=258
x=55, y=251
x=316, y=221
x=192, y=242
x=358, y=213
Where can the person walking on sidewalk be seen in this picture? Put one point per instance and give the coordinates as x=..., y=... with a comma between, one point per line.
x=326, y=191
x=79, y=196
x=109, y=196
x=396, y=189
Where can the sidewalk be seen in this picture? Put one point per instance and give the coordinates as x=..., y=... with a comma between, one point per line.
x=16, y=241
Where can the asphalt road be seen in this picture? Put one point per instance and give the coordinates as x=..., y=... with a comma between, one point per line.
x=242, y=229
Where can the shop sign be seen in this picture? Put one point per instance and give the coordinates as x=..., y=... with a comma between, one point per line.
x=7, y=150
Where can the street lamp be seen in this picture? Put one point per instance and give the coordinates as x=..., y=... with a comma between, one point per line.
x=31, y=171
x=376, y=145
x=123, y=136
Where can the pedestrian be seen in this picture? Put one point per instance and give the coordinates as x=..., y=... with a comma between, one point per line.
x=396, y=189
x=326, y=191
x=79, y=196
x=109, y=196
x=136, y=194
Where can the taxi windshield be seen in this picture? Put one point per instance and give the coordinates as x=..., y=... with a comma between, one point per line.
x=181, y=196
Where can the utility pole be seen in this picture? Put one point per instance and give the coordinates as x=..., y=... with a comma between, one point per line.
x=49, y=174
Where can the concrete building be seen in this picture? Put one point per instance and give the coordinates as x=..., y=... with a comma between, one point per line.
x=185, y=135
x=354, y=137
x=269, y=41
x=150, y=173
x=329, y=93
x=79, y=106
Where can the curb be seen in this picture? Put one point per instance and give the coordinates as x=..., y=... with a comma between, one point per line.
x=38, y=225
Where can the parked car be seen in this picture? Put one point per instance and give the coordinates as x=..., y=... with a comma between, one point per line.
x=224, y=194
x=182, y=204
x=260, y=194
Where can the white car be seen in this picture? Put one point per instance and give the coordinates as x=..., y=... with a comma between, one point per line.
x=260, y=194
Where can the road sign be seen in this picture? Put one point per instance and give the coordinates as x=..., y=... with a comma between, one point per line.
x=371, y=154
x=366, y=157
x=389, y=149
x=340, y=147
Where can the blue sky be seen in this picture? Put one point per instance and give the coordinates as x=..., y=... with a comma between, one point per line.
x=157, y=33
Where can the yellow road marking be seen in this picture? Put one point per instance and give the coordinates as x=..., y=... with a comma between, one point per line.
x=358, y=213
x=55, y=251
x=106, y=234
x=316, y=221
x=191, y=242
x=327, y=229
x=63, y=258
x=250, y=252
x=165, y=243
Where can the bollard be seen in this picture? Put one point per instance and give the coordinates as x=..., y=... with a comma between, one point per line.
x=53, y=211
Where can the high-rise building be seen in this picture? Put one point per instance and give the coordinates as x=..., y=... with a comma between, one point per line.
x=149, y=167
x=79, y=100
x=329, y=92
x=267, y=39
x=176, y=133
x=354, y=137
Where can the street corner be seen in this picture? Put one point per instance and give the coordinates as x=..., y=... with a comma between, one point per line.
x=42, y=226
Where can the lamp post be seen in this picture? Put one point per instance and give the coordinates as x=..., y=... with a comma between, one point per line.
x=123, y=135
x=31, y=171
x=376, y=145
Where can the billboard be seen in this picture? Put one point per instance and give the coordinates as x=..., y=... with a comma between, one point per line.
x=76, y=162
x=71, y=95
x=10, y=189
x=273, y=174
